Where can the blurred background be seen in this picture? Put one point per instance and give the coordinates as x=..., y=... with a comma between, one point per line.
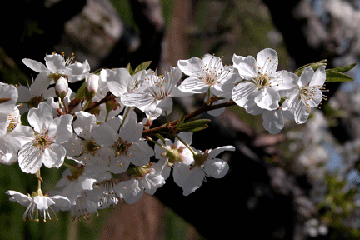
x=299, y=184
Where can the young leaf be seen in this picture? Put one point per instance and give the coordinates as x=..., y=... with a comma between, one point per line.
x=128, y=67
x=24, y=120
x=142, y=66
x=343, y=69
x=315, y=66
x=81, y=92
x=181, y=121
x=194, y=126
x=332, y=76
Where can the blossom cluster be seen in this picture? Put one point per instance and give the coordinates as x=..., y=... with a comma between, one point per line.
x=103, y=132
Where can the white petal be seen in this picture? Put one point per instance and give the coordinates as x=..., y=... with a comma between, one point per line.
x=34, y=65
x=29, y=158
x=186, y=137
x=246, y=66
x=130, y=191
x=84, y=123
x=119, y=81
x=194, y=85
x=306, y=77
x=79, y=70
x=131, y=131
x=241, y=92
x=43, y=203
x=214, y=152
x=140, y=153
x=40, y=118
x=55, y=63
x=267, y=61
x=60, y=127
x=273, y=121
x=319, y=77
x=10, y=93
x=137, y=99
x=267, y=99
x=301, y=112
x=40, y=84
x=19, y=197
x=216, y=168
x=191, y=67
x=62, y=203
x=53, y=156
x=291, y=100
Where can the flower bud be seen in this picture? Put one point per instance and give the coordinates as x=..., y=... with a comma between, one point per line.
x=61, y=87
x=92, y=83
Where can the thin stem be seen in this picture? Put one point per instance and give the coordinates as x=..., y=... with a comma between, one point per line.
x=208, y=97
x=123, y=120
x=151, y=140
x=67, y=165
x=167, y=119
x=186, y=145
x=63, y=103
x=38, y=176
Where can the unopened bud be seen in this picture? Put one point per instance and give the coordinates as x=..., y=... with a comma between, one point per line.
x=61, y=87
x=92, y=83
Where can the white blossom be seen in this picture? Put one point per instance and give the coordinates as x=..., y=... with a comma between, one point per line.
x=44, y=147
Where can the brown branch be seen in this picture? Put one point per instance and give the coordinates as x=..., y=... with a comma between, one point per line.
x=171, y=127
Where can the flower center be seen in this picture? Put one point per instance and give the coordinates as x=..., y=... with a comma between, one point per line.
x=13, y=120
x=42, y=141
x=307, y=95
x=121, y=147
x=262, y=80
x=200, y=159
x=210, y=78
x=91, y=146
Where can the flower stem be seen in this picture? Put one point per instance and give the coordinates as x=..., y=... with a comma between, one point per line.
x=208, y=97
x=186, y=145
x=38, y=176
x=123, y=120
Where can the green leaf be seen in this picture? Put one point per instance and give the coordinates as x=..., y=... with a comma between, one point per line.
x=181, y=121
x=128, y=67
x=343, y=69
x=332, y=76
x=194, y=126
x=315, y=66
x=142, y=66
x=24, y=120
x=81, y=92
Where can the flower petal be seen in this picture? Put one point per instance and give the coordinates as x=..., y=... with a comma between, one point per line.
x=53, y=156
x=193, y=85
x=306, y=77
x=61, y=128
x=241, y=92
x=40, y=118
x=34, y=65
x=273, y=121
x=267, y=61
x=191, y=67
x=267, y=99
x=40, y=84
x=19, y=197
x=246, y=66
x=319, y=77
x=29, y=158
x=55, y=63
x=216, y=168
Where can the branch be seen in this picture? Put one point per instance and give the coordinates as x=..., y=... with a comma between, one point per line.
x=171, y=127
